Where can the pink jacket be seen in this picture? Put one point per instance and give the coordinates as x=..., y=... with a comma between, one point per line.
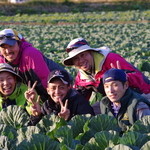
x=136, y=79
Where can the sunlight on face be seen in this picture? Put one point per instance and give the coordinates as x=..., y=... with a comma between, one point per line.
x=57, y=90
x=115, y=90
x=7, y=83
x=83, y=61
x=10, y=52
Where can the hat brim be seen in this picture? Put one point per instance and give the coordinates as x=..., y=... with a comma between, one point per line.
x=57, y=77
x=68, y=60
x=10, y=42
x=6, y=70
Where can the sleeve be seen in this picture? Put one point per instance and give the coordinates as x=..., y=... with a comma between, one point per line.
x=137, y=80
x=142, y=110
x=83, y=106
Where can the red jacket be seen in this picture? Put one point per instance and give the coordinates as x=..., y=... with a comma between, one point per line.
x=136, y=79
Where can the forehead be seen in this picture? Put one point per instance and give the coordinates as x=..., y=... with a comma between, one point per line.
x=113, y=82
x=85, y=52
x=5, y=73
x=56, y=82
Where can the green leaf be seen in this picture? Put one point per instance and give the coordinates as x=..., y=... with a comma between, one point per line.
x=133, y=139
x=38, y=142
x=14, y=116
x=142, y=126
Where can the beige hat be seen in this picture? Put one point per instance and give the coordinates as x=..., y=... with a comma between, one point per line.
x=9, y=36
x=76, y=47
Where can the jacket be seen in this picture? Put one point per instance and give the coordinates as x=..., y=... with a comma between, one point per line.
x=32, y=65
x=76, y=104
x=129, y=112
x=102, y=60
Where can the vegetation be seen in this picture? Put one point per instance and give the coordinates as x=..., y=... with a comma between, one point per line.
x=80, y=133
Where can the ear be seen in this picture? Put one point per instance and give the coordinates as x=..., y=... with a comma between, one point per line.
x=126, y=85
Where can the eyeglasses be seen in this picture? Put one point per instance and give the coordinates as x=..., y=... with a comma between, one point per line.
x=8, y=36
x=76, y=45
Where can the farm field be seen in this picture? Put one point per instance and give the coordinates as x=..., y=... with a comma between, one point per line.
x=124, y=32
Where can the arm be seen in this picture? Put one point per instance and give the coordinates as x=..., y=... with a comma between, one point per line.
x=136, y=79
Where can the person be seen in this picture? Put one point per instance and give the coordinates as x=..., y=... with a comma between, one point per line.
x=92, y=63
x=64, y=101
x=121, y=101
x=11, y=88
x=28, y=61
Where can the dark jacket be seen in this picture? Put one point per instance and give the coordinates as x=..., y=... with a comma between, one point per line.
x=76, y=104
x=127, y=113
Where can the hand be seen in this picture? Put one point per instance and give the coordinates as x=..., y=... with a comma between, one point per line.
x=118, y=66
x=31, y=94
x=35, y=108
x=65, y=112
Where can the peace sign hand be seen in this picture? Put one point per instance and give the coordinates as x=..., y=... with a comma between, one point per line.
x=65, y=112
x=118, y=66
x=31, y=94
x=35, y=108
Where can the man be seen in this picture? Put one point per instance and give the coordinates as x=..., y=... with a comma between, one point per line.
x=120, y=101
x=92, y=63
x=28, y=61
x=11, y=88
x=63, y=101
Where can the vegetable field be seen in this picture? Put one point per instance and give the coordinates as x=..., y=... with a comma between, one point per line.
x=124, y=32
x=82, y=132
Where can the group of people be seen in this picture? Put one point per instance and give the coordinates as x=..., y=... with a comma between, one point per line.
x=31, y=80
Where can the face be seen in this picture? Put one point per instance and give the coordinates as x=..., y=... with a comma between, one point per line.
x=10, y=52
x=115, y=90
x=7, y=83
x=57, y=90
x=84, y=61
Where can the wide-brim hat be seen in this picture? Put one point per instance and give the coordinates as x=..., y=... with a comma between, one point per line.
x=9, y=37
x=4, y=67
x=76, y=47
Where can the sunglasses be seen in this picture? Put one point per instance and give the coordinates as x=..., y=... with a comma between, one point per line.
x=7, y=36
x=76, y=45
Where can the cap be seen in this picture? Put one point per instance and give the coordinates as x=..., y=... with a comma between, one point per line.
x=59, y=74
x=7, y=68
x=113, y=75
x=76, y=47
x=9, y=36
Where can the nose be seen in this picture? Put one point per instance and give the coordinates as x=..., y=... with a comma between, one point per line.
x=57, y=90
x=111, y=89
x=5, y=82
x=7, y=50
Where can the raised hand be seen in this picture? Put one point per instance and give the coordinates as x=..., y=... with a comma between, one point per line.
x=65, y=112
x=118, y=66
x=31, y=94
x=35, y=108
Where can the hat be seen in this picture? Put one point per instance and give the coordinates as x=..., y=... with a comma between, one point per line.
x=9, y=36
x=59, y=74
x=76, y=47
x=7, y=68
x=113, y=75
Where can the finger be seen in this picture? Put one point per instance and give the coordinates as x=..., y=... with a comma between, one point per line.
x=38, y=99
x=33, y=86
x=61, y=103
x=29, y=84
x=112, y=65
x=66, y=103
x=118, y=64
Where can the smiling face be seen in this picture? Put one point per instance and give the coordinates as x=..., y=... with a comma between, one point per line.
x=7, y=83
x=10, y=52
x=83, y=61
x=57, y=90
x=115, y=90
